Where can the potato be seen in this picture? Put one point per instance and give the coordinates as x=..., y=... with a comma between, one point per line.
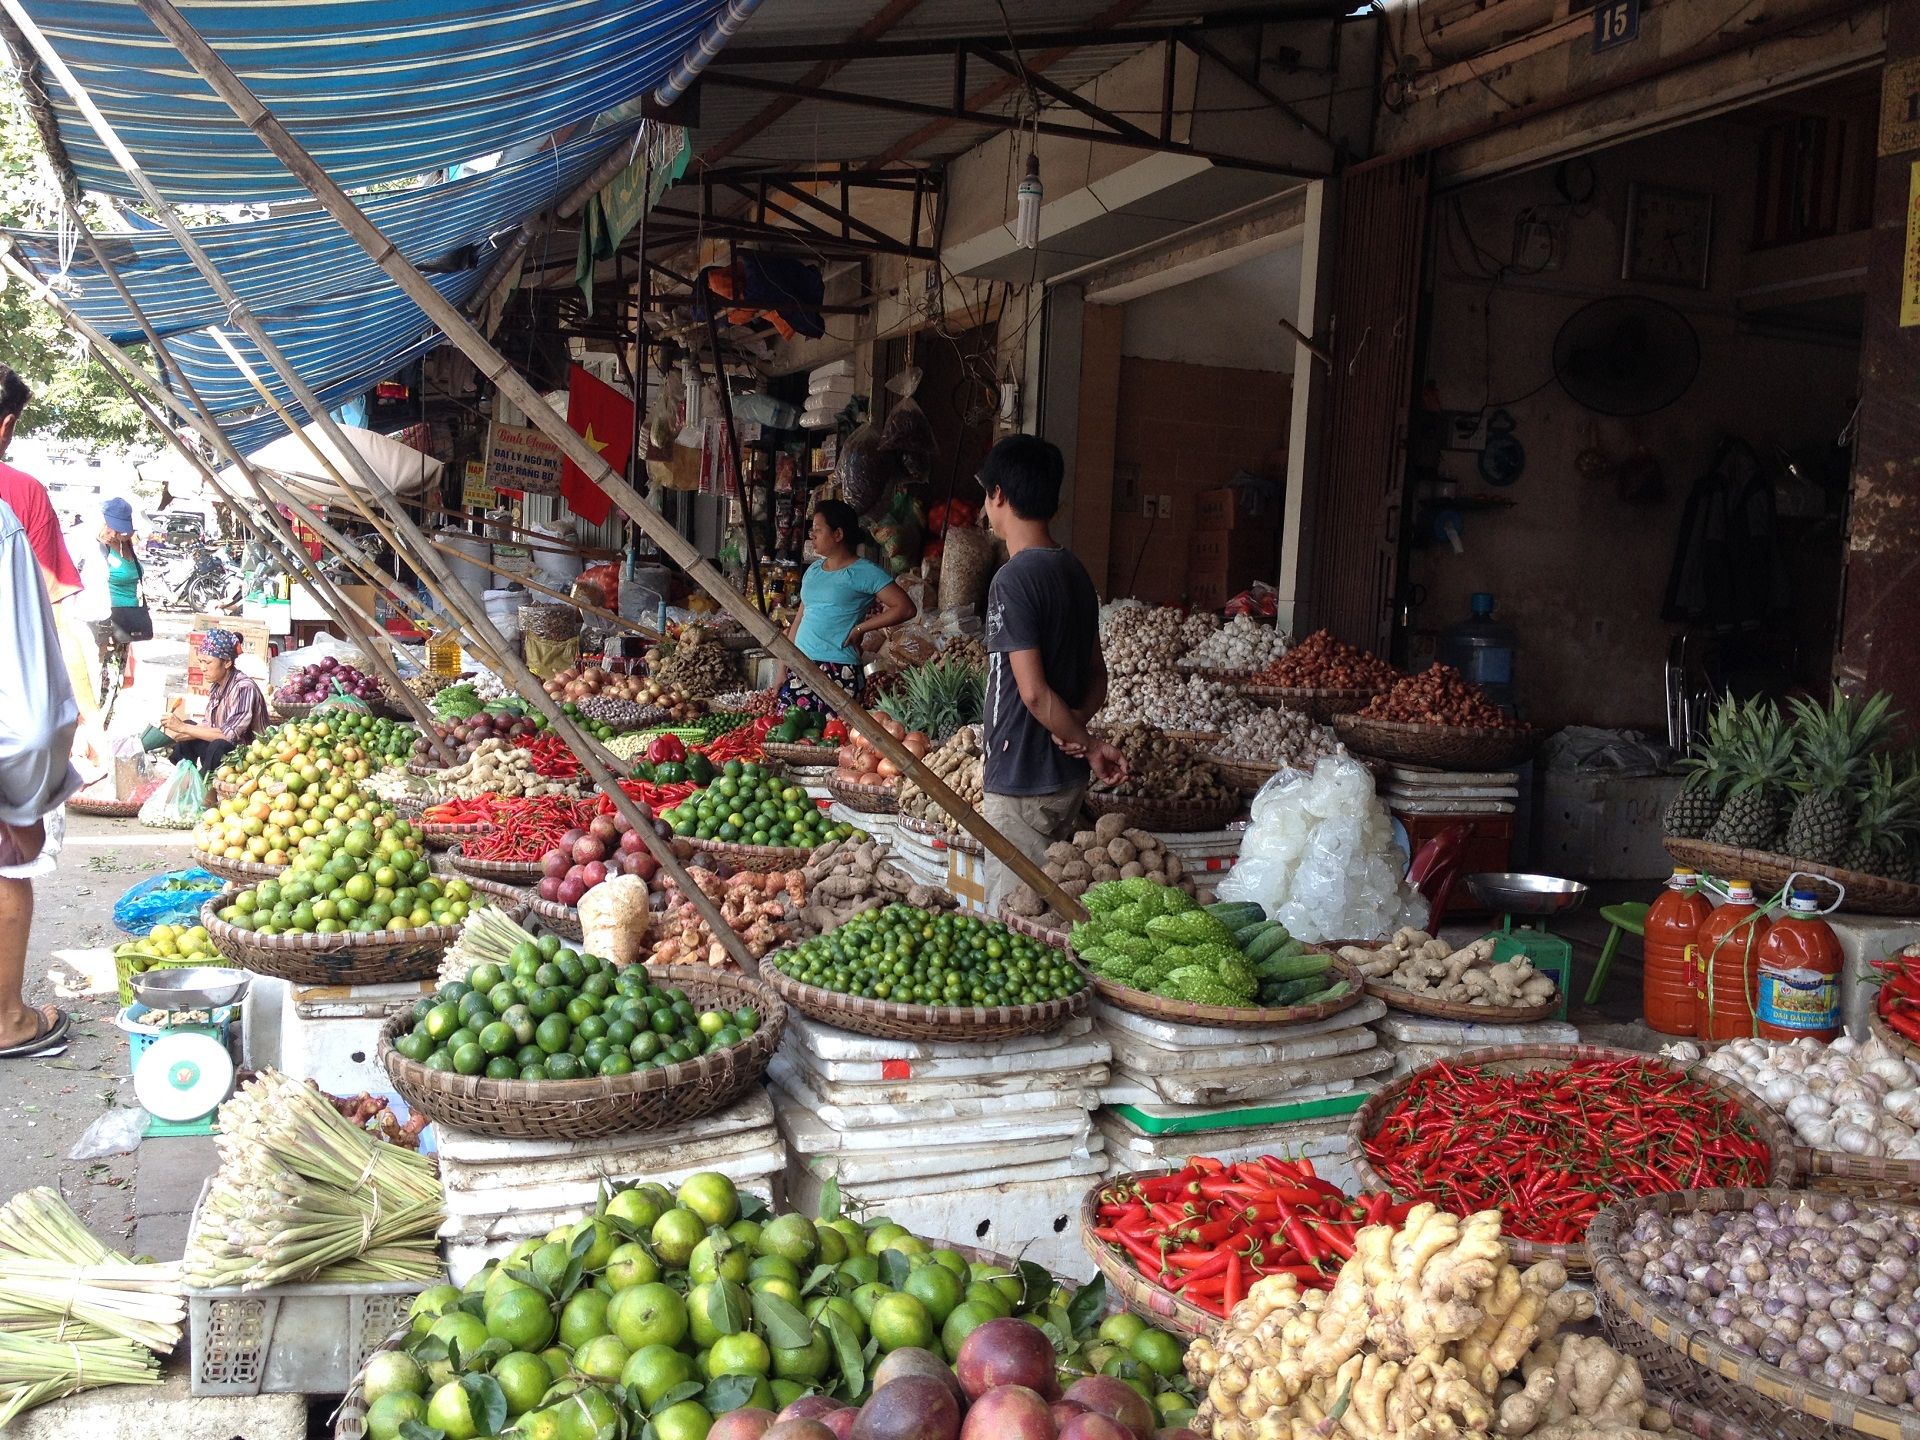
x=1060, y=852
x=1108, y=828
x=1142, y=840
x=1076, y=869
x=1105, y=872
x=1132, y=870
x=1083, y=840
x=1122, y=852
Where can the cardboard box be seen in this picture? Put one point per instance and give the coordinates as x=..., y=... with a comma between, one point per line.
x=1209, y=552
x=253, y=635
x=1213, y=509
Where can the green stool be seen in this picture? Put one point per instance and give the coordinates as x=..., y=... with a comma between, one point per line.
x=1630, y=915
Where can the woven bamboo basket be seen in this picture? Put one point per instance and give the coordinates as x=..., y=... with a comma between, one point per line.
x=1316, y=703
x=513, y=872
x=1686, y=1361
x=1247, y=775
x=84, y=804
x=1034, y=928
x=1164, y=817
x=445, y=837
x=1148, y=1299
x=1867, y=894
x=350, y=1420
x=803, y=756
x=244, y=872
x=1893, y=1039
x=562, y=920
x=1405, y=1000
x=881, y=799
x=592, y=1109
x=284, y=710
x=1519, y=1058
x=382, y=958
x=1240, y=679
x=886, y=1020
x=1446, y=747
x=423, y=770
x=760, y=858
x=509, y=900
x=1227, y=1017
x=1691, y=1420
x=1199, y=739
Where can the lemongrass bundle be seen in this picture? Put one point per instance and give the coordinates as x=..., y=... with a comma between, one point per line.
x=55, y=1273
x=301, y=1192
x=34, y=1370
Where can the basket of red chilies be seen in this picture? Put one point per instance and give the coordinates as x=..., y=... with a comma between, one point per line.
x=1549, y=1134
x=1183, y=1247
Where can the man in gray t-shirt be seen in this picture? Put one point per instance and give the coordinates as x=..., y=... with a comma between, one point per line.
x=1046, y=674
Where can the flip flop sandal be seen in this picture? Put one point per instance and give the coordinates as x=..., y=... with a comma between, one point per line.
x=48, y=1039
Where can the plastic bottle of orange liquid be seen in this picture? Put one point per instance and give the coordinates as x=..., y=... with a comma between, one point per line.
x=1800, y=966
x=1672, y=924
x=1726, y=959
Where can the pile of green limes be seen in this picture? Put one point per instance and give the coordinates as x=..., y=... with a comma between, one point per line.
x=553, y=1014
x=915, y=957
x=354, y=879
x=750, y=805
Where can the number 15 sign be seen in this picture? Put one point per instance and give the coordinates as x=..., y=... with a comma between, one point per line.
x=1615, y=22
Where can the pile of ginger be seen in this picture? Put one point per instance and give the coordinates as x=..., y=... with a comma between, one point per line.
x=1429, y=1333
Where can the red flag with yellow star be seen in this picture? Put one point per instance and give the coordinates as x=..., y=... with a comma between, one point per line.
x=603, y=417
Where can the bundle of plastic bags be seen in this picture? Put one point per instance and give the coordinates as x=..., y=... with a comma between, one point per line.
x=1321, y=858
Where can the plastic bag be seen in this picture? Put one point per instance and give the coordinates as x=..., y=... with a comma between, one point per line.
x=177, y=804
x=148, y=904
x=907, y=435
x=1320, y=857
x=866, y=471
x=117, y=1132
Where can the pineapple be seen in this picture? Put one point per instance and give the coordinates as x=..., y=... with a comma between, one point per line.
x=1832, y=747
x=1692, y=812
x=939, y=697
x=1762, y=757
x=1889, y=820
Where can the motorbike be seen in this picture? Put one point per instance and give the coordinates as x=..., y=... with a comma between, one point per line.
x=202, y=578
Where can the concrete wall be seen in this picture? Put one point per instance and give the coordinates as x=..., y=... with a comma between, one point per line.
x=1578, y=571
x=1226, y=319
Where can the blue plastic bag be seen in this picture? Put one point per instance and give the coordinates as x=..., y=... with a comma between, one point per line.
x=147, y=904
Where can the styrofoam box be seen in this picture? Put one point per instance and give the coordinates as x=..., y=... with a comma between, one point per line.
x=331, y=1034
x=842, y=1057
x=1144, y=1058
x=846, y=1107
x=988, y=1091
x=1229, y=1087
x=1173, y=1035
x=1021, y=1211
x=924, y=1143
x=1471, y=1035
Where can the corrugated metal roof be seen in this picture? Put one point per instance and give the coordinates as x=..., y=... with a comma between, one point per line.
x=816, y=130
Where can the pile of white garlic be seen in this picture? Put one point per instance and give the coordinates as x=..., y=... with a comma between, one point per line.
x=1172, y=703
x=1276, y=736
x=1854, y=1096
x=1243, y=644
x=1141, y=639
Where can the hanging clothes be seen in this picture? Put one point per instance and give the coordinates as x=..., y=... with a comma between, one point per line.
x=1726, y=564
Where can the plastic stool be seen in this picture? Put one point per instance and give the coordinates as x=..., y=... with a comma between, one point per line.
x=1629, y=915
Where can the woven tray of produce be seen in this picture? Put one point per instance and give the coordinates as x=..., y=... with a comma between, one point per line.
x=592, y=1109
x=882, y=798
x=1153, y=1302
x=884, y=1020
x=513, y=872
x=1868, y=894
x=804, y=756
x=445, y=837
x=1689, y=1358
x=952, y=839
x=1034, y=928
x=1447, y=747
x=85, y=804
x=380, y=958
x=762, y=858
x=242, y=871
x=1691, y=1420
x=1164, y=816
x=1516, y=1145
x=1233, y=1017
x=288, y=710
x=1199, y=739
x=1321, y=704
x=1397, y=999
x=1247, y=775
x=423, y=770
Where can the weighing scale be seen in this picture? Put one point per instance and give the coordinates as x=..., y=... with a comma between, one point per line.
x=181, y=1075
x=1513, y=894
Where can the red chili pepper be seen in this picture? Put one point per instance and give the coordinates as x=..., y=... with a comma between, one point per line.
x=1236, y=1289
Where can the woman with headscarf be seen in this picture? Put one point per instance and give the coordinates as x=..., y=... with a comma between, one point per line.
x=126, y=609
x=236, y=710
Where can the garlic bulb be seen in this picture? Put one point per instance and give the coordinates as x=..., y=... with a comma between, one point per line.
x=1854, y=1140
x=1855, y=1096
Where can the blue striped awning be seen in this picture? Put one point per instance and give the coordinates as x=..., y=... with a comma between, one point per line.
x=376, y=90
x=306, y=258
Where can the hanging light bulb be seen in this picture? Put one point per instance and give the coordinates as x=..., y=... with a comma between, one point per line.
x=1027, y=198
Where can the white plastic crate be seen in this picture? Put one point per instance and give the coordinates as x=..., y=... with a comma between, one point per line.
x=289, y=1339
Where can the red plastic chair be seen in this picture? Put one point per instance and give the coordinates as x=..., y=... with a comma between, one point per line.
x=1437, y=869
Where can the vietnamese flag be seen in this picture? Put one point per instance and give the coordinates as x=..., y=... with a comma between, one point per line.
x=603, y=417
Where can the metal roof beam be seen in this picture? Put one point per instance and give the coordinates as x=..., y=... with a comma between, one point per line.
x=1138, y=36
x=990, y=120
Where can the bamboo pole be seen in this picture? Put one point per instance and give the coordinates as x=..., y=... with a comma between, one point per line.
x=339, y=607
x=268, y=129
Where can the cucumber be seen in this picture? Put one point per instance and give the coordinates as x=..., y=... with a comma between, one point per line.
x=1236, y=914
x=1267, y=943
x=1308, y=964
x=1297, y=992
x=1245, y=935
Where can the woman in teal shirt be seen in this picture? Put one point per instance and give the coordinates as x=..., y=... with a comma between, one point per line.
x=126, y=609
x=836, y=595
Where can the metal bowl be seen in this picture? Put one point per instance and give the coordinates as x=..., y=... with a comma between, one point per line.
x=1515, y=893
x=195, y=987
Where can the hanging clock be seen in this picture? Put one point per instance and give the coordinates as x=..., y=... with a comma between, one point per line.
x=1669, y=236
x=1503, y=459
